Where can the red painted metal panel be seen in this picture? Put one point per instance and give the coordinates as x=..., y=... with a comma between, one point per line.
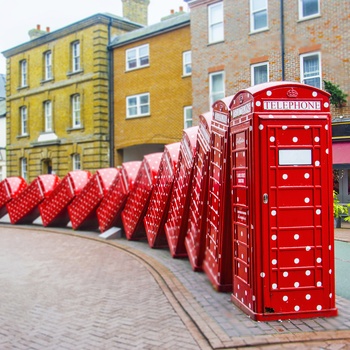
x=160, y=199
x=10, y=188
x=54, y=209
x=195, y=237
x=177, y=221
x=283, y=236
x=217, y=262
x=82, y=210
x=138, y=199
x=24, y=208
x=111, y=206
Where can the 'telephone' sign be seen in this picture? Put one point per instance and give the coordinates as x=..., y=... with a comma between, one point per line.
x=292, y=105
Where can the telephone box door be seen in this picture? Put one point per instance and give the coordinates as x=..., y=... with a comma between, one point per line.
x=298, y=266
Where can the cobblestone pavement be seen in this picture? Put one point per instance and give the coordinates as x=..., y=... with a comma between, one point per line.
x=73, y=290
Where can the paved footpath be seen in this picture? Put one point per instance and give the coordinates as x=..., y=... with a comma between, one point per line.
x=65, y=289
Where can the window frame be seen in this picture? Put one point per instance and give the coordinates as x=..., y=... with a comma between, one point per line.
x=187, y=62
x=300, y=9
x=76, y=161
x=24, y=120
x=24, y=73
x=48, y=118
x=24, y=168
x=215, y=25
x=138, y=106
x=252, y=72
x=188, y=121
x=48, y=65
x=302, y=71
x=211, y=93
x=252, y=17
x=76, y=111
x=76, y=58
x=138, y=58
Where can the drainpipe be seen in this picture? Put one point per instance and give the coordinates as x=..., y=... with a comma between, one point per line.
x=110, y=97
x=282, y=40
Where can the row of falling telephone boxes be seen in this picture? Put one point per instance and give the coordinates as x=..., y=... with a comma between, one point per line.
x=199, y=199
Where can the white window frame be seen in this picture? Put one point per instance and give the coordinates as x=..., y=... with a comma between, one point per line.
x=187, y=63
x=24, y=73
x=188, y=117
x=76, y=161
x=76, y=66
x=48, y=65
x=253, y=72
x=216, y=25
x=138, y=57
x=303, y=79
x=138, y=106
x=24, y=120
x=24, y=168
x=301, y=14
x=254, y=11
x=216, y=95
x=76, y=111
x=48, y=116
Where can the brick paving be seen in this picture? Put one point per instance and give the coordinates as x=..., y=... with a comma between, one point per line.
x=65, y=292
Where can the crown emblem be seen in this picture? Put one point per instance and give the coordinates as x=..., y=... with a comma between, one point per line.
x=292, y=93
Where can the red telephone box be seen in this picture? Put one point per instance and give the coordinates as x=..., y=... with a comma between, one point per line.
x=138, y=199
x=10, y=188
x=160, y=199
x=24, y=209
x=281, y=171
x=82, y=210
x=54, y=209
x=111, y=206
x=195, y=236
x=217, y=262
x=176, y=224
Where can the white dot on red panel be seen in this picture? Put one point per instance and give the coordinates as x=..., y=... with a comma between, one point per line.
x=274, y=286
x=295, y=139
x=306, y=175
x=307, y=296
x=317, y=139
x=284, y=176
x=319, y=260
x=317, y=163
x=285, y=298
x=330, y=295
x=296, y=308
x=296, y=237
x=330, y=247
x=272, y=139
x=273, y=212
x=318, y=211
x=268, y=92
x=307, y=248
x=296, y=284
x=306, y=127
x=326, y=104
x=307, y=200
x=271, y=116
x=307, y=272
x=274, y=261
x=319, y=284
x=319, y=307
x=296, y=261
x=258, y=103
x=274, y=237
x=284, y=127
x=253, y=297
x=285, y=274
x=261, y=127
x=330, y=271
x=326, y=127
x=262, y=274
x=327, y=151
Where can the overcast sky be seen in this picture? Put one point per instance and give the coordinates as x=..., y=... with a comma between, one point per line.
x=17, y=17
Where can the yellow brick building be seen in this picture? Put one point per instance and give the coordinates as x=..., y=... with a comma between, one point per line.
x=58, y=98
x=152, y=87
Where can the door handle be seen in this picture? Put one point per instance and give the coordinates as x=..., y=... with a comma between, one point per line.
x=265, y=198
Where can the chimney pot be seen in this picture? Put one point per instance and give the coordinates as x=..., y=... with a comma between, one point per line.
x=48, y=29
x=181, y=8
x=172, y=12
x=38, y=26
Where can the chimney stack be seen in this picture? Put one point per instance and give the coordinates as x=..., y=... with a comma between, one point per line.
x=136, y=11
x=37, y=32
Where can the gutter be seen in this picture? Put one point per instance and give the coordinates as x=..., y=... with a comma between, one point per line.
x=282, y=39
x=110, y=97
